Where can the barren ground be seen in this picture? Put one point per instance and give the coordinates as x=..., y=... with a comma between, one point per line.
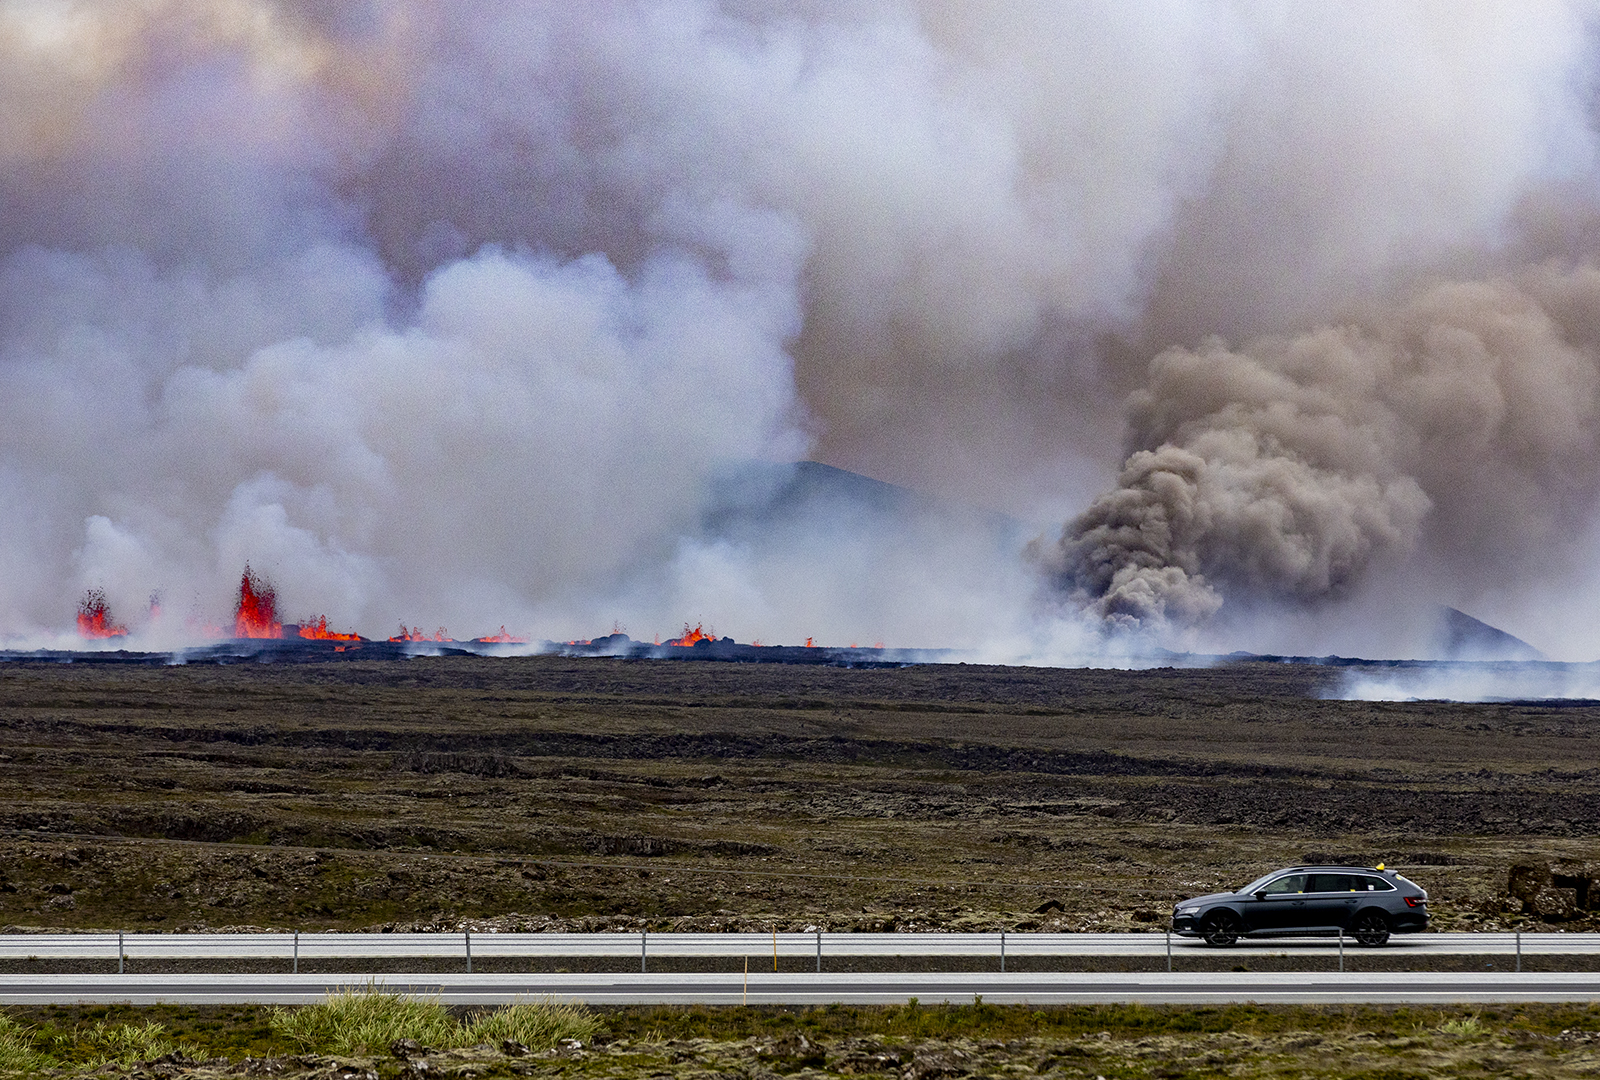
x=555, y=793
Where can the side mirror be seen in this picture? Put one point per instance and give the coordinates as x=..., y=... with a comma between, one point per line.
x=1261, y=894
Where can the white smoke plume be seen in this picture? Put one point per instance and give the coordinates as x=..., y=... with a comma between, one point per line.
x=461, y=314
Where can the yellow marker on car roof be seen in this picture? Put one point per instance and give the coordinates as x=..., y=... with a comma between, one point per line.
x=1378, y=867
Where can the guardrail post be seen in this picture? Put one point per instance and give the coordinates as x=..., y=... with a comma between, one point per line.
x=297, y=952
x=1519, y=950
x=643, y=936
x=119, y=952
x=1169, y=948
x=1002, y=950
x=468, y=935
x=1341, y=948
x=819, y=952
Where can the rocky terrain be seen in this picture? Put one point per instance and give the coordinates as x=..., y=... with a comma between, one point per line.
x=612, y=794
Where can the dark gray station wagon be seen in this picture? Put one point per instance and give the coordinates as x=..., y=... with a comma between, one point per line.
x=1365, y=902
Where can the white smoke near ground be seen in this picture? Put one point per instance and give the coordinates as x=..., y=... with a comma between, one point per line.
x=1472, y=682
x=459, y=315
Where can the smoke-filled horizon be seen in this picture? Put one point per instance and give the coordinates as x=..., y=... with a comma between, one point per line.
x=470, y=315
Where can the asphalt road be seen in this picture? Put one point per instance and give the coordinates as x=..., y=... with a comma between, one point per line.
x=767, y=988
x=374, y=946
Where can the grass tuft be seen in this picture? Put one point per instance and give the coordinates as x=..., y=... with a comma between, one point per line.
x=17, y=1054
x=537, y=1025
x=103, y=1044
x=367, y=1021
x=1466, y=1025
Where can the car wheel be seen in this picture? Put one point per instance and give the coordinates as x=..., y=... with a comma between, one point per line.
x=1222, y=928
x=1371, y=928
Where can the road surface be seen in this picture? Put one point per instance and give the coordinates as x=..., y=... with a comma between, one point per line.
x=768, y=988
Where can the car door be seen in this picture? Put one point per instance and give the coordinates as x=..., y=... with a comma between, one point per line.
x=1280, y=904
x=1331, y=900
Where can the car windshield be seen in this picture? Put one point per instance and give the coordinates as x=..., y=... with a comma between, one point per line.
x=1259, y=883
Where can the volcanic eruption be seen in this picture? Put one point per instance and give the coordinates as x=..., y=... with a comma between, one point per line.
x=316, y=629
x=478, y=311
x=256, y=614
x=416, y=634
x=94, y=617
x=691, y=635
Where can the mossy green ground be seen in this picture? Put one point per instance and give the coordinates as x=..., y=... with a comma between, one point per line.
x=916, y=1042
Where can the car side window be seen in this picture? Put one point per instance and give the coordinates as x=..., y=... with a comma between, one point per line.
x=1373, y=884
x=1331, y=883
x=1289, y=883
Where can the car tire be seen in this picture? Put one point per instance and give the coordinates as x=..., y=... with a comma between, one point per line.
x=1222, y=929
x=1370, y=927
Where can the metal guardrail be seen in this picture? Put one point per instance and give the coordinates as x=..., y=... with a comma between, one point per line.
x=466, y=944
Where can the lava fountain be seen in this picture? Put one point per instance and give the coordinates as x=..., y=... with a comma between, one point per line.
x=94, y=617
x=692, y=635
x=257, y=613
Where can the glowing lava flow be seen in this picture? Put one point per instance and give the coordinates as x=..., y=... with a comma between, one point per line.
x=502, y=638
x=690, y=636
x=94, y=617
x=317, y=630
x=257, y=613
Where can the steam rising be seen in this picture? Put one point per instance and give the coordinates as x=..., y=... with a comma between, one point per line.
x=465, y=314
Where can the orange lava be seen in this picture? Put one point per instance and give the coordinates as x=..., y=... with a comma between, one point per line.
x=690, y=636
x=416, y=634
x=317, y=630
x=257, y=613
x=502, y=638
x=810, y=644
x=94, y=617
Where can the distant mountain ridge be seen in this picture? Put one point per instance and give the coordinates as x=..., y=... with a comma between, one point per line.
x=1466, y=638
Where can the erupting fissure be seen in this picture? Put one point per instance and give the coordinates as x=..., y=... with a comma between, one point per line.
x=94, y=617
x=256, y=615
x=317, y=630
x=416, y=634
x=502, y=638
x=692, y=635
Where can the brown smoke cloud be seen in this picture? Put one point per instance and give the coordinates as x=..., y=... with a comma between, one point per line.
x=1464, y=422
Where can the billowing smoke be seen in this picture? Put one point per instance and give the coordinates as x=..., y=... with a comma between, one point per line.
x=1466, y=421
x=470, y=314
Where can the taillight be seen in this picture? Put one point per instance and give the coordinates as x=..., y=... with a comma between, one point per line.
x=1416, y=901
